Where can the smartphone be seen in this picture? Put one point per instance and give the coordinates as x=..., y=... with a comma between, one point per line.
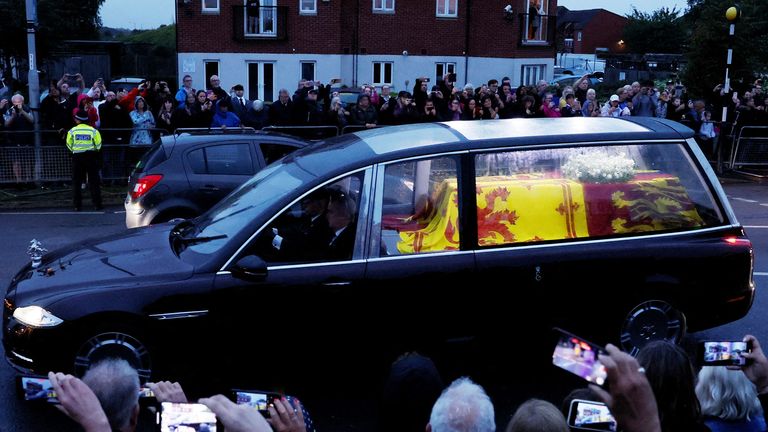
x=580, y=357
x=146, y=392
x=35, y=388
x=724, y=353
x=426, y=79
x=590, y=416
x=260, y=400
x=176, y=417
x=452, y=77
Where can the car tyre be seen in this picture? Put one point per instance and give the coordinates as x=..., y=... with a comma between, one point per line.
x=649, y=321
x=114, y=344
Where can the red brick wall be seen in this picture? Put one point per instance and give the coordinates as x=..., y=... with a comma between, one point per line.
x=605, y=30
x=413, y=27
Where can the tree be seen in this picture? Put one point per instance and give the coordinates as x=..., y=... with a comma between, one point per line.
x=661, y=31
x=57, y=21
x=709, y=44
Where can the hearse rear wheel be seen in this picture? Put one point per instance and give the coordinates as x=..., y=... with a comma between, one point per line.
x=650, y=321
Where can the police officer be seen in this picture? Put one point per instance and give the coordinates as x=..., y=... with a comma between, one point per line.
x=84, y=142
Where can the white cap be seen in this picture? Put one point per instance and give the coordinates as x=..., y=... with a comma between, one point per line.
x=614, y=98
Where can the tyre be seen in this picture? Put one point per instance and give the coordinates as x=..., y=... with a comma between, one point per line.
x=114, y=344
x=649, y=321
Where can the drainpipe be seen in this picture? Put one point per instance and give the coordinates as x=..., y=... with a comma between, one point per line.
x=466, y=44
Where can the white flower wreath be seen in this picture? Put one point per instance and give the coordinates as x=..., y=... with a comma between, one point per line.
x=599, y=167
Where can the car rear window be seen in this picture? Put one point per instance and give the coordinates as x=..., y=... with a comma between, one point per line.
x=581, y=192
x=153, y=157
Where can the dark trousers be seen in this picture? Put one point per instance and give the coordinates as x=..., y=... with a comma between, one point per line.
x=82, y=164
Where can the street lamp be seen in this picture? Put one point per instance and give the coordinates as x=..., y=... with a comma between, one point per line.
x=732, y=14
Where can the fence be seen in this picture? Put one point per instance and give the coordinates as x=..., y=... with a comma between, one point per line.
x=750, y=148
x=23, y=162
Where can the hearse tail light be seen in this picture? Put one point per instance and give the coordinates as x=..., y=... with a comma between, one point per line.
x=144, y=184
x=35, y=316
x=732, y=240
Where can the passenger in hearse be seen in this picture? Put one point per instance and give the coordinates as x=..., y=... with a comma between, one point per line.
x=304, y=237
x=341, y=221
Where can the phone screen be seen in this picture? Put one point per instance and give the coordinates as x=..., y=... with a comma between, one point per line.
x=176, y=417
x=725, y=353
x=37, y=389
x=589, y=415
x=256, y=399
x=579, y=357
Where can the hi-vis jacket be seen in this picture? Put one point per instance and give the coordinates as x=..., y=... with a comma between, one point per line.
x=83, y=138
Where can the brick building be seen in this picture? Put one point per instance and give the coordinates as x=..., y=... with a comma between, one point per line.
x=271, y=44
x=583, y=31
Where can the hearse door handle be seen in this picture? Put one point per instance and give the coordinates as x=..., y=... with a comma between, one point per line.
x=337, y=284
x=209, y=188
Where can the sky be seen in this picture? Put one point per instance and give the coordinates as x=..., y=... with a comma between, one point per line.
x=137, y=14
x=621, y=7
x=150, y=14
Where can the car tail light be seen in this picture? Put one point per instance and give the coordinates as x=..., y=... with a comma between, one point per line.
x=144, y=184
x=733, y=240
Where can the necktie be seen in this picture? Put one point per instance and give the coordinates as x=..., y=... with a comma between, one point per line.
x=242, y=102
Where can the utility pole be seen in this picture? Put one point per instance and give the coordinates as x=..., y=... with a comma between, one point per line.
x=732, y=14
x=33, y=80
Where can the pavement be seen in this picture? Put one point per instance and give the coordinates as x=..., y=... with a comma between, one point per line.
x=55, y=196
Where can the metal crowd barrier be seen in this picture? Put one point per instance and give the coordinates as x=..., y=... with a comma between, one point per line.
x=22, y=162
x=750, y=149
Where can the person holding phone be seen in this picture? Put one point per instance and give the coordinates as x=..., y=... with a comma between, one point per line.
x=629, y=396
x=106, y=399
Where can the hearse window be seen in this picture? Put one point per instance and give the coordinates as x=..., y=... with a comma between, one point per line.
x=320, y=227
x=566, y=193
x=419, y=212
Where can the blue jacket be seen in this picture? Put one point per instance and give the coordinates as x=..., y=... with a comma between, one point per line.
x=227, y=119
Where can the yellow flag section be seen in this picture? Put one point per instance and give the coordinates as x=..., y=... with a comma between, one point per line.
x=525, y=210
x=509, y=210
x=442, y=223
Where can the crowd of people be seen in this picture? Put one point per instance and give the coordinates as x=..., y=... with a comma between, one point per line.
x=658, y=391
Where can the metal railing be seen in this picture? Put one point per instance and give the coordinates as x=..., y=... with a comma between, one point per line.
x=750, y=149
x=306, y=132
x=22, y=162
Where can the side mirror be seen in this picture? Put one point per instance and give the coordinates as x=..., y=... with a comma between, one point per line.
x=250, y=268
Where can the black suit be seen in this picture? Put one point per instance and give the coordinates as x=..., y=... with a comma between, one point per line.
x=341, y=247
x=239, y=109
x=305, y=241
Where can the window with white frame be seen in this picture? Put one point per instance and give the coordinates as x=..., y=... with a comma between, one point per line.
x=261, y=18
x=387, y=6
x=443, y=68
x=537, y=20
x=382, y=73
x=308, y=70
x=210, y=6
x=447, y=8
x=308, y=7
x=531, y=74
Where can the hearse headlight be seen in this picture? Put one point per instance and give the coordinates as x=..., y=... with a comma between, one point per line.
x=35, y=316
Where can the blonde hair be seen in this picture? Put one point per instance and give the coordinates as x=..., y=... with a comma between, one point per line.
x=727, y=394
x=536, y=415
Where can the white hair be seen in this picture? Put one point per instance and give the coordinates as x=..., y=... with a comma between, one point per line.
x=727, y=394
x=116, y=385
x=258, y=105
x=591, y=92
x=463, y=407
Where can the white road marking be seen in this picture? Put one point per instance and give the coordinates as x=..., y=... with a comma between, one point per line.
x=764, y=204
x=760, y=273
x=756, y=226
x=744, y=199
